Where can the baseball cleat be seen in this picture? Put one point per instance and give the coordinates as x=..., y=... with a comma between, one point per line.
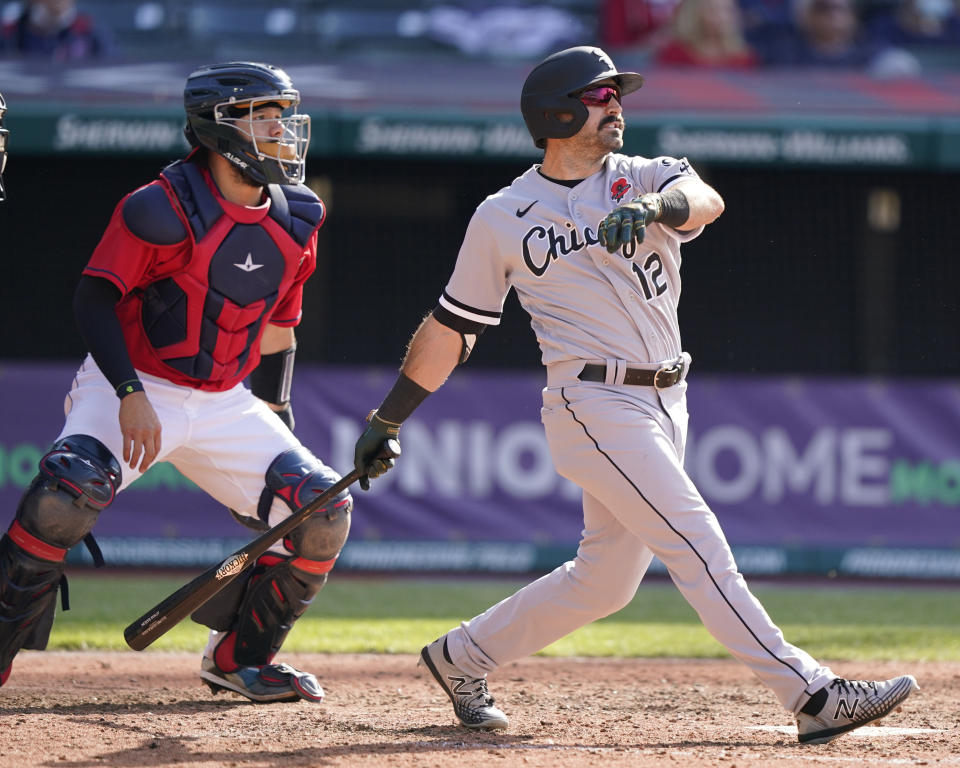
x=844, y=705
x=472, y=703
x=271, y=682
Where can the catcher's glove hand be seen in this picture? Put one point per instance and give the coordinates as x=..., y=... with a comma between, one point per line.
x=628, y=222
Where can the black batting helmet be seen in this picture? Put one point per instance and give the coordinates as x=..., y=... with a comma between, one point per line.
x=220, y=99
x=552, y=86
x=4, y=133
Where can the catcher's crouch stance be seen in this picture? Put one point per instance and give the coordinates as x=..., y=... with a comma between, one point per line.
x=196, y=284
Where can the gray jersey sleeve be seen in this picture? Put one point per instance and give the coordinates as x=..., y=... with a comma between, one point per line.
x=659, y=175
x=478, y=286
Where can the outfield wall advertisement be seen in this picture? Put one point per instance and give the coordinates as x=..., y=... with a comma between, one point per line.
x=816, y=475
x=822, y=142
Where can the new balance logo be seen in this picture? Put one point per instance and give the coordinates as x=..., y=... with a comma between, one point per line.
x=458, y=684
x=846, y=710
x=248, y=265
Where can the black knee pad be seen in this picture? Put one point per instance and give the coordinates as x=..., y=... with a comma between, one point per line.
x=297, y=477
x=319, y=539
x=78, y=478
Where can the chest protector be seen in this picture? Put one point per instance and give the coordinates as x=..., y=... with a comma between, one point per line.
x=205, y=320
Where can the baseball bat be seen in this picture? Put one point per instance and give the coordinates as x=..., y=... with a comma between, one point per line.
x=172, y=610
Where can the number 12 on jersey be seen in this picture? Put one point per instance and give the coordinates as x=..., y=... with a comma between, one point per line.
x=656, y=276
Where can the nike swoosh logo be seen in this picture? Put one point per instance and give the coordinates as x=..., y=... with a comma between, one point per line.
x=521, y=214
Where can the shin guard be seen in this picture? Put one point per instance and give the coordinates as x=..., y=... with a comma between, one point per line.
x=78, y=478
x=30, y=573
x=277, y=595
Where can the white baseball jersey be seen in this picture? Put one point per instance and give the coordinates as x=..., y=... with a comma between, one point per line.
x=622, y=444
x=540, y=237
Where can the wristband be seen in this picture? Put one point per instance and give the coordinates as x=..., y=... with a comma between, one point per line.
x=674, y=208
x=128, y=388
x=389, y=428
x=401, y=401
x=272, y=378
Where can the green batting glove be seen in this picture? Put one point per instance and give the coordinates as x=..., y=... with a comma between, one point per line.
x=376, y=449
x=628, y=222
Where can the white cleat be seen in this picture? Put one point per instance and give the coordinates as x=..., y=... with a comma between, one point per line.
x=472, y=703
x=848, y=704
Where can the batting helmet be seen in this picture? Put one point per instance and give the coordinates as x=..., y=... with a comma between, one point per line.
x=552, y=88
x=4, y=133
x=220, y=100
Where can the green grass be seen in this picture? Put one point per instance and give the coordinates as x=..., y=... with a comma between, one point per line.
x=399, y=615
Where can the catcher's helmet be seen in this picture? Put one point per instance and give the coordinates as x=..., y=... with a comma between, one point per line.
x=220, y=100
x=4, y=133
x=552, y=86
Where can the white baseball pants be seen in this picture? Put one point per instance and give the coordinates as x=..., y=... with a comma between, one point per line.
x=222, y=441
x=623, y=445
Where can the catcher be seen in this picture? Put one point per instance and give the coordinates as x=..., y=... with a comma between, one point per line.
x=196, y=284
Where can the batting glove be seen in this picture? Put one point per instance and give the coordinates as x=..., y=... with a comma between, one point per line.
x=628, y=223
x=376, y=449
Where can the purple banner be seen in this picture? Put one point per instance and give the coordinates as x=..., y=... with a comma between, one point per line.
x=829, y=463
x=787, y=462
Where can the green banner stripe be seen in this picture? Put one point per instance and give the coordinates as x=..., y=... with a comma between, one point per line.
x=909, y=143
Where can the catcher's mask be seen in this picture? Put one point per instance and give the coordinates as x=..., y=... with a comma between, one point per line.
x=4, y=133
x=552, y=88
x=224, y=104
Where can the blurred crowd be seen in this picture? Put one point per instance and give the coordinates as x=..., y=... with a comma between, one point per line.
x=52, y=29
x=883, y=37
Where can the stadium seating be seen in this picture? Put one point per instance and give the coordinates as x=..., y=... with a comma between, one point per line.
x=299, y=29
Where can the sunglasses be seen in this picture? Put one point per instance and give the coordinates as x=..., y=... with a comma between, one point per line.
x=599, y=96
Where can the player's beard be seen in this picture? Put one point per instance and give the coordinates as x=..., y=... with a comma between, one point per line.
x=595, y=143
x=242, y=178
x=611, y=141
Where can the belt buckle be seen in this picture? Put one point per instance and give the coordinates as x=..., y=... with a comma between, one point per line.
x=675, y=368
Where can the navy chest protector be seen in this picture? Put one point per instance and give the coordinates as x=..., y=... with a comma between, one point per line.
x=205, y=319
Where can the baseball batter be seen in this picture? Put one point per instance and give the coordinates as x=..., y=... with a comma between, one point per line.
x=590, y=240
x=196, y=283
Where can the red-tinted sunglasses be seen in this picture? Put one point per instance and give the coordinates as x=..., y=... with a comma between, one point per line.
x=599, y=96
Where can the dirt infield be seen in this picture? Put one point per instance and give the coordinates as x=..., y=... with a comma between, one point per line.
x=78, y=710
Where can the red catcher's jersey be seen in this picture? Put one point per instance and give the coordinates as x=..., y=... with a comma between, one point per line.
x=194, y=311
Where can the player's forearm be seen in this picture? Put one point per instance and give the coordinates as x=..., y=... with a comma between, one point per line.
x=704, y=202
x=433, y=353
x=272, y=378
x=94, y=307
x=277, y=338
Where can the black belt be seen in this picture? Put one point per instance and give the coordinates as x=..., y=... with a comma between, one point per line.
x=642, y=377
